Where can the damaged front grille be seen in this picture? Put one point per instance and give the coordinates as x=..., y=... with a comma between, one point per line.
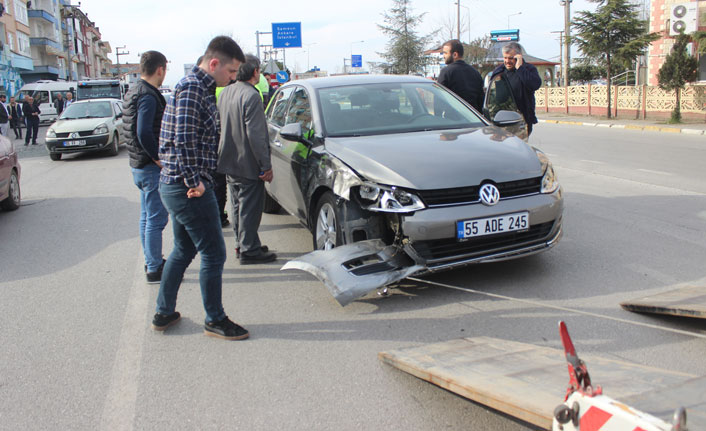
x=447, y=249
x=464, y=195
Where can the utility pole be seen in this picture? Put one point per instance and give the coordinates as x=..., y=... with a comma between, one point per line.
x=458, y=20
x=561, y=52
x=118, y=54
x=567, y=40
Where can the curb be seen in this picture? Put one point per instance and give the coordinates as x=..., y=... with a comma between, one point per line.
x=649, y=128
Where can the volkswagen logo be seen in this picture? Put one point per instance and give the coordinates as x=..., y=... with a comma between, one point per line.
x=489, y=194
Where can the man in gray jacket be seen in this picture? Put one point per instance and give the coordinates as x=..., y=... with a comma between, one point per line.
x=244, y=156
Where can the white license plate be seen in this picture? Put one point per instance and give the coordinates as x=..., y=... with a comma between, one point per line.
x=487, y=226
x=78, y=143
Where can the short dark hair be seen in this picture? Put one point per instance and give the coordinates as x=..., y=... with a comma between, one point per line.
x=225, y=49
x=150, y=61
x=454, y=45
x=246, y=71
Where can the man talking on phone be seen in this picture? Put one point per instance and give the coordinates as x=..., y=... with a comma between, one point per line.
x=524, y=81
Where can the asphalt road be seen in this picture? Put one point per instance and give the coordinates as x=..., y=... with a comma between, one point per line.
x=78, y=352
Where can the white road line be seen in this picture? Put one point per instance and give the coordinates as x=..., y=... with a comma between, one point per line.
x=592, y=161
x=120, y=403
x=558, y=307
x=649, y=171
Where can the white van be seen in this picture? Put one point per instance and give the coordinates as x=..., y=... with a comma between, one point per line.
x=45, y=92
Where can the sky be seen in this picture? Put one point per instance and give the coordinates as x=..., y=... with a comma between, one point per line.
x=331, y=30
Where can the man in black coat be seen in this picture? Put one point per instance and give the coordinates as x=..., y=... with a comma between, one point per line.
x=59, y=103
x=15, y=117
x=31, y=112
x=460, y=77
x=4, y=116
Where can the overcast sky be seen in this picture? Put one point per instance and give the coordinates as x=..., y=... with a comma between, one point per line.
x=331, y=30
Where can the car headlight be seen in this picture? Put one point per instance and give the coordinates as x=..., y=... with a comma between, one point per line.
x=51, y=133
x=549, y=180
x=379, y=198
x=101, y=129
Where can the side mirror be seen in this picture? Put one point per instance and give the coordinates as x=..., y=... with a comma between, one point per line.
x=507, y=118
x=119, y=115
x=292, y=132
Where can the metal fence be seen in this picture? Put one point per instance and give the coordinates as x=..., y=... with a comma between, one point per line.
x=642, y=102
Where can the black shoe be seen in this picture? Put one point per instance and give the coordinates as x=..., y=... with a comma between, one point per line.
x=263, y=248
x=160, y=322
x=226, y=330
x=155, y=277
x=262, y=257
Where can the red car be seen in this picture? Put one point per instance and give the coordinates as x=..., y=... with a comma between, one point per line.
x=9, y=176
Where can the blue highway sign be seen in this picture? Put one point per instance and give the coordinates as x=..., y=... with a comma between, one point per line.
x=286, y=35
x=356, y=61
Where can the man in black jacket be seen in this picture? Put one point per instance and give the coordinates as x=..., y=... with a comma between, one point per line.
x=59, y=104
x=142, y=119
x=4, y=116
x=31, y=111
x=460, y=77
x=15, y=117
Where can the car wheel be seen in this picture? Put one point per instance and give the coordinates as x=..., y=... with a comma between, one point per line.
x=271, y=205
x=327, y=231
x=114, y=146
x=12, y=202
x=55, y=156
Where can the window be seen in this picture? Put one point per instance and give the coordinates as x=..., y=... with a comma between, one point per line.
x=300, y=112
x=21, y=13
x=500, y=97
x=116, y=108
x=278, y=108
x=11, y=41
x=54, y=93
x=23, y=44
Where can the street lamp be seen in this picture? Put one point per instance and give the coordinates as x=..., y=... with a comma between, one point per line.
x=308, y=49
x=508, y=18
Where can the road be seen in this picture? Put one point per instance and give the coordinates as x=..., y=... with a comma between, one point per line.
x=78, y=352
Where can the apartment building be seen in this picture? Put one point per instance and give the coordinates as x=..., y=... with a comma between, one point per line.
x=15, y=50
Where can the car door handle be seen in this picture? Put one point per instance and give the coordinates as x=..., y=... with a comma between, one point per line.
x=277, y=143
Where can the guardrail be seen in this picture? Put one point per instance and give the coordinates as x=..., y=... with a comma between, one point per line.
x=640, y=102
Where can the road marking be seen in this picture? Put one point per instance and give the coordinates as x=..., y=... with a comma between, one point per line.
x=649, y=171
x=120, y=403
x=558, y=307
x=593, y=161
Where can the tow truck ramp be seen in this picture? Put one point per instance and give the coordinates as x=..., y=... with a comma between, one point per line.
x=528, y=381
x=689, y=301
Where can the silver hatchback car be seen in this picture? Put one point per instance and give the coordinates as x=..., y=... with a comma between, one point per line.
x=395, y=175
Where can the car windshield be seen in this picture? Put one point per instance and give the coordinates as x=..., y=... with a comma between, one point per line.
x=87, y=110
x=374, y=109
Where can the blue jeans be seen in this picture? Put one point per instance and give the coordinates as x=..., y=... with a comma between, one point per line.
x=197, y=228
x=153, y=215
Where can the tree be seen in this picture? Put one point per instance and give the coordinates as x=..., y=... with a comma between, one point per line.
x=476, y=52
x=585, y=72
x=612, y=35
x=405, y=49
x=678, y=69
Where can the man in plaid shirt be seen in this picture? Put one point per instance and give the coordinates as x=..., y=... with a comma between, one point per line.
x=188, y=146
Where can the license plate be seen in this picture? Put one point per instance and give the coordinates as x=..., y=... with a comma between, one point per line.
x=466, y=229
x=78, y=143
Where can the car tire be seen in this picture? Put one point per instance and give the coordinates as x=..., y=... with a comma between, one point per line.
x=271, y=205
x=55, y=156
x=12, y=202
x=114, y=146
x=326, y=231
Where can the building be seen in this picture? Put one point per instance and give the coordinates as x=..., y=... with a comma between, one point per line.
x=15, y=52
x=87, y=53
x=666, y=18
x=46, y=44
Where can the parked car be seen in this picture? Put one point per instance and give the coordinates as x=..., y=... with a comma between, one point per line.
x=9, y=176
x=87, y=125
x=397, y=175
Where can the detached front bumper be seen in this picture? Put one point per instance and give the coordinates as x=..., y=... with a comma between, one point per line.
x=77, y=145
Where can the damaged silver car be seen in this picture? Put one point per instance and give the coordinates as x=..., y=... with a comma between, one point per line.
x=395, y=175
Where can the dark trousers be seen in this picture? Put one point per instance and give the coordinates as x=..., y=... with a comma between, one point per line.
x=197, y=228
x=32, y=130
x=16, y=127
x=248, y=200
x=220, y=187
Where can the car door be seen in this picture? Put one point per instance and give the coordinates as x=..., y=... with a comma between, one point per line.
x=118, y=120
x=5, y=166
x=498, y=97
x=276, y=117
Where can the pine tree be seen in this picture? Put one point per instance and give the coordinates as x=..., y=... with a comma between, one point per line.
x=613, y=34
x=405, y=49
x=678, y=69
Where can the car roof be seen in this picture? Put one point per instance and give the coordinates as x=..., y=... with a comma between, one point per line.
x=342, y=80
x=103, y=99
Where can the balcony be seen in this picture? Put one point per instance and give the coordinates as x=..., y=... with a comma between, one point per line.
x=41, y=14
x=44, y=41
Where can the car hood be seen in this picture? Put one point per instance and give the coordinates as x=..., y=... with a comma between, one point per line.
x=64, y=126
x=438, y=159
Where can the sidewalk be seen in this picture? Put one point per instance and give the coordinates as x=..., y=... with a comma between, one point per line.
x=691, y=128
